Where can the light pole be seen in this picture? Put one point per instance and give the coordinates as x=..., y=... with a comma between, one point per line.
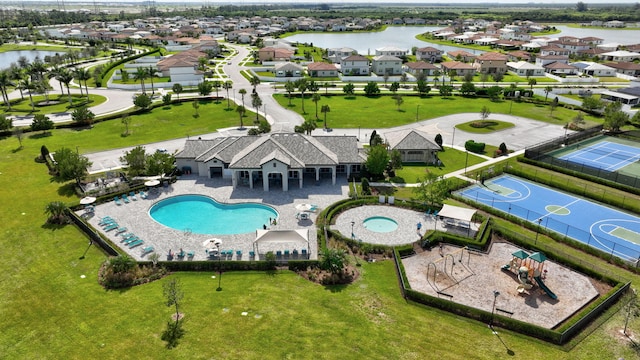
x=417, y=109
x=217, y=243
x=466, y=159
x=538, y=230
x=453, y=136
x=353, y=236
x=493, y=308
x=265, y=111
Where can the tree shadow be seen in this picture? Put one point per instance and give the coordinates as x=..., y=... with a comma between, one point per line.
x=66, y=190
x=19, y=148
x=336, y=288
x=40, y=135
x=52, y=227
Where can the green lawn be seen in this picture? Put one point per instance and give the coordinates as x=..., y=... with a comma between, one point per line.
x=50, y=310
x=23, y=106
x=381, y=111
x=452, y=160
x=493, y=125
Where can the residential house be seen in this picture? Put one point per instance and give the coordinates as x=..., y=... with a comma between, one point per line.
x=573, y=46
x=421, y=67
x=275, y=54
x=182, y=67
x=391, y=51
x=620, y=55
x=386, y=64
x=276, y=160
x=548, y=59
x=461, y=55
x=560, y=68
x=288, y=69
x=335, y=55
x=594, y=69
x=614, y=24
x=626, y=68
x=553, y=50
x=460, y=68
x=520, y=55
x=525, y=69
x=355, y=65
x=413, y=145
x=322, y=69
x=429, y=54
x=629, y=96
x=491, y=63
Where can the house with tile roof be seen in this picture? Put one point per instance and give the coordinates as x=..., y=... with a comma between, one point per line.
x=355, y=65
x=525, y=69
x=461, y=68
x=288, y=69
x=429, y=54
x=626, y=68
x=386, y=64
x=491, y=63
x=461, y=55
x=276, y=160
x=420, y=67
x=275, y=54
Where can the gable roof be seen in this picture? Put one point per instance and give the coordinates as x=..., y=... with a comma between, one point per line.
x=410, y=139
x=319, y=66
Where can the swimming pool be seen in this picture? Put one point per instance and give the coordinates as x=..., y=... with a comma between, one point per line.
x=380, y=224
x=203, y=215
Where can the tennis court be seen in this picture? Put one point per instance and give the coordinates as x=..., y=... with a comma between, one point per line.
x=608, y=154
x=602, y=227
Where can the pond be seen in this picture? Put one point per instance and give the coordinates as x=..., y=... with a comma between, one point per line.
x=625, y=37
x=6, y=58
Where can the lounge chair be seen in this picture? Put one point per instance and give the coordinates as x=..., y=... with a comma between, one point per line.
x=147, y=250
x=121, y=230
x=303, y=252
x=111, y=227
x=278, y=253
x=131, y=240
x=428, y=212
x=252, y=253
x=295, y=252
x=105, y=220
x=190, y=255
x=435, y=213
x=133, y=196
x=127, y=236
x=136, y=243
x=125, y=198
x=286, y=253
x=238, y=254
x=116, y=199
x=181, y=255
x=142, y=194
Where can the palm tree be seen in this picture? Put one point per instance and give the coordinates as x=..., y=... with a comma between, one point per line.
x=242, y=92
x=30, y=86
x=227, y=85
x=302, y=87
x=151, y=72
x=5, y=81
x=254, y=81
x=37, y=69
x=547, y=90
x=65, y=77
x=532, y=82
x=325, y=109
x=17, y=75
x=140, y=75
x=57, y=212
x=216, y=85
x=326, y=87
x=241, y=110
x=177, y=88
x=82, y=75
x=315, y=98
x=256, y=102
x=290, y=87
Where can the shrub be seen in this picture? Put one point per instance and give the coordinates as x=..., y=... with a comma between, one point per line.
x=474, y=147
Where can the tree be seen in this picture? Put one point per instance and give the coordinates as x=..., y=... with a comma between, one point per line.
x=532, y=82
x=313, y=86
x=422, y=88
x=635, y=120
x=307, y=127
x=632, y=308
x=394, y=87
x=254, y=81
x=136, y=160
x=56, y=212
x=467, y=88
x=553, y=106
x=581, y=7
x=196, y=107
x=316, y=98
x=371, y=89
x=256, y=102
x=432, y=190
x=205, y=88
x=577, y=120
x=241, y=110
x=398, y=100
x=173, y=293
x=41, y=123
x=227, y=85
x=547, y=91
x=438, y=140
x=484, y=113
x=141, y=75
x=325, y=109
x=290, y=87
x=71, y=165
x=333, y=260
x=375, y=139
x=142, y=101
x=216, y=85
x=5, y=82
x=377, y=160
x=592, y=104
x=166, y=99
x=497, y=76
x=82, y=75
x=5, y=123
x=160, y=163
x=151, y=73
x=484, y=77
x=326, y=85
x=124, y=76
x=348, y=89
x=446, y=90
x=177, y=89
x=242, y=93
x=65, y=77
x=468, y=77
x=301, y=84
x=503, y=149
x=83, y=115
x=614, y=117
x=395, y=159
x=126, y=120
x=494, y=93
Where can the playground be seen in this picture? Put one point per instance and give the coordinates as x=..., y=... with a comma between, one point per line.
x=545, y=294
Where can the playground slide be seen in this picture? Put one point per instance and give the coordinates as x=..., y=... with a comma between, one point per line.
x=545, y=288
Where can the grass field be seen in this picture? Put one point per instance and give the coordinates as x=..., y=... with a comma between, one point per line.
x=382, y=112
x=23, y=106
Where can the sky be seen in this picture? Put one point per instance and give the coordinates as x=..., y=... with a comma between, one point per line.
x=433, y=2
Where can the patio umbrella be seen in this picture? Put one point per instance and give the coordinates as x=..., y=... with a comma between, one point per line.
x=152, y=183
x=87, y=200
x=212, y=241
x=304, y=207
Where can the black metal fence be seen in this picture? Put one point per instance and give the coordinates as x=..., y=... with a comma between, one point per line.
x=93, y=235
x=540, y=152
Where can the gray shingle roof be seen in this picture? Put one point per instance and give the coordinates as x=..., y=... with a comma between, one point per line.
x=410, y=139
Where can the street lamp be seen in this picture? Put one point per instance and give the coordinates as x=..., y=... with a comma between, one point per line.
x=453, y=136
x=493, y=308
x=217, y=243
x=538, y=230
x=417, y=109
x=353, y=236
x=466, y=159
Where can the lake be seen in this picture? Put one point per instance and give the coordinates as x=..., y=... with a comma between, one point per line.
x=404, y=37
x=6, y=58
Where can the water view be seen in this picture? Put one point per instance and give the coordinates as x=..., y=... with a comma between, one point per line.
x=404, y=37
x=6, y=58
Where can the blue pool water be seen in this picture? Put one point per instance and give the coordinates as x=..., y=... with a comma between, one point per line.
x=203, y=215
x=380, y=224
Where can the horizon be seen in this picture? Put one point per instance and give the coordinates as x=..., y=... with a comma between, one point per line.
x=327, y=2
